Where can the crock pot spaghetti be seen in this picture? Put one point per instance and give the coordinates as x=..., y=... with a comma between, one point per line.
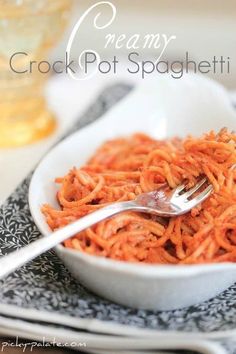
x=123, y=168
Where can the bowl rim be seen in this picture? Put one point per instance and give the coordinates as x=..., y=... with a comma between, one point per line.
x=144, y=269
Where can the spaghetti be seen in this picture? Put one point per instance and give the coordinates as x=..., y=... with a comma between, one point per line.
x=123, y=168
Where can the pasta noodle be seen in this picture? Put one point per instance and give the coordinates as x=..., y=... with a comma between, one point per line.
x=123, y=168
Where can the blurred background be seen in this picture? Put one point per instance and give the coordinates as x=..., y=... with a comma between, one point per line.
x=204, y=28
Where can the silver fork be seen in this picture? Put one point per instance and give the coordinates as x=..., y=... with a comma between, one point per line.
x=158, y=202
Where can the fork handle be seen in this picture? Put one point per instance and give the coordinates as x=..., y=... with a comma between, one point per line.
x=16, y=259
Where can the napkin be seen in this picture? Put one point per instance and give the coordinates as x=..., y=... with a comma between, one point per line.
x=44, y=293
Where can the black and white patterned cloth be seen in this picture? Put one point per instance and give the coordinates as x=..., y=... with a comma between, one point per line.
x=45, y=285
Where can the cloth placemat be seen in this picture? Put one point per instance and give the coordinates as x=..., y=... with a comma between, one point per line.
x=45, y=286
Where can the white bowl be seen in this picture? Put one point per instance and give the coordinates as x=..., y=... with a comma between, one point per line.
x=162, y=108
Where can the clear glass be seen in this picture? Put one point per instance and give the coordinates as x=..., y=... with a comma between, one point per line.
x=33, y=27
